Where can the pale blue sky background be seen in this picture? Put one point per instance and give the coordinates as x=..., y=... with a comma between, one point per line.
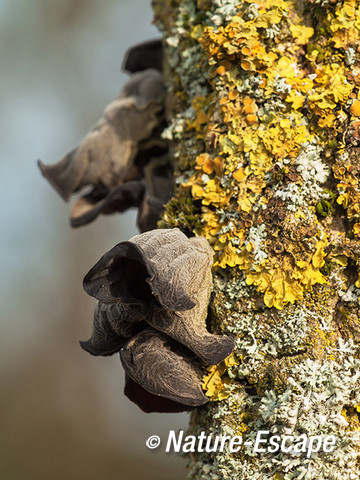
x=59, y=67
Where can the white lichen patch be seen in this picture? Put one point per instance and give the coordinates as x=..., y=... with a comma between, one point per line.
x=310, y=166
x=352, y=294
x=312, y=405
x=257, y=236
x=313, y=172
x=222, y=11
x=297, y=196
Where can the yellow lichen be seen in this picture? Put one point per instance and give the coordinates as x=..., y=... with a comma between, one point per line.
x=218, y=387
x=259, y=138
x=301, y=33
x=355, y=108
x=283, y=282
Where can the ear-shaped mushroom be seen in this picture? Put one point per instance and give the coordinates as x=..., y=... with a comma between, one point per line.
x=145, y=87
x=156, y=265
x=172, y=275
x=149, y=195
x=142, y=56
x=106, y=155
x=121, y=198
x=189, y=326
x=152, y=360
x=114, y=324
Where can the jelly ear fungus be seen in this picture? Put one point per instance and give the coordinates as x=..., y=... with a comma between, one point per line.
x=160, y=283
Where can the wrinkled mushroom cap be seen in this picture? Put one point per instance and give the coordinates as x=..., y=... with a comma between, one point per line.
x=153, y=361
x=113, y=326
x=164, y=259
x=107, y=154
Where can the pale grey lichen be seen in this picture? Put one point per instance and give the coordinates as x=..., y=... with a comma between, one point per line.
x=312, y=404
x=222, y=11
x=272, y=32
x=352, y=294
x=350, y=56
x=281, y=86
x=310, y=166
x=296, y=196
x=257, y=236
x=313, y=172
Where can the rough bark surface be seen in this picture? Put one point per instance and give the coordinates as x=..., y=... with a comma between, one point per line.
x=264, y=123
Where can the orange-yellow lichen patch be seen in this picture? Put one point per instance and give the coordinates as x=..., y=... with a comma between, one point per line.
x=347, y=173
x=227, y=254
x=239, y=174
x=352, y=418
x=296, y=98
x=203, y=114
x=217, y=386
x=249, y=190
x=284, y=138
x=344, y=23
x=301, y=33
x=210, y=193
x=274, y=102
x=283, y=282
x=332, y=88
x=208, y=165
x=355, y=108
x=247, y=65
x=246, y=50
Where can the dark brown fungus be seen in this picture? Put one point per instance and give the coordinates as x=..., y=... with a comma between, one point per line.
x=145, y=87
x=189, y=325
x=189, y=328
x=148, y=402
x=149, y=194
x=114, y=325
x=172, y=275
x=158, y=181
x=155, y=265
x=145, y=55
x=152, y=361
x=106, y=157
x=121, y=198
x=153, y=293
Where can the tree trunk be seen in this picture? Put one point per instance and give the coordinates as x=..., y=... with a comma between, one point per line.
x=264, y=125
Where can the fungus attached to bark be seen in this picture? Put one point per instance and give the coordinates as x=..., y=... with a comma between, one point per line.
x=152, y=360
x=148, y=402
x=159, y=279
x=106, y=155
x=149, y=195
x=156, y=266
x=144, y=55
x=114, y=325
x=113, y=157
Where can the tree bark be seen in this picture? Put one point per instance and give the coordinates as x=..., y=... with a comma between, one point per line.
x=264, y=127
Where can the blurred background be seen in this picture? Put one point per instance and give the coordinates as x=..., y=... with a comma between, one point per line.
x=63, y=414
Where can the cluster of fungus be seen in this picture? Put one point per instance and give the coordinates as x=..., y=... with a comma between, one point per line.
x=153, y=291
x=123, y=158
x=153, y=294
